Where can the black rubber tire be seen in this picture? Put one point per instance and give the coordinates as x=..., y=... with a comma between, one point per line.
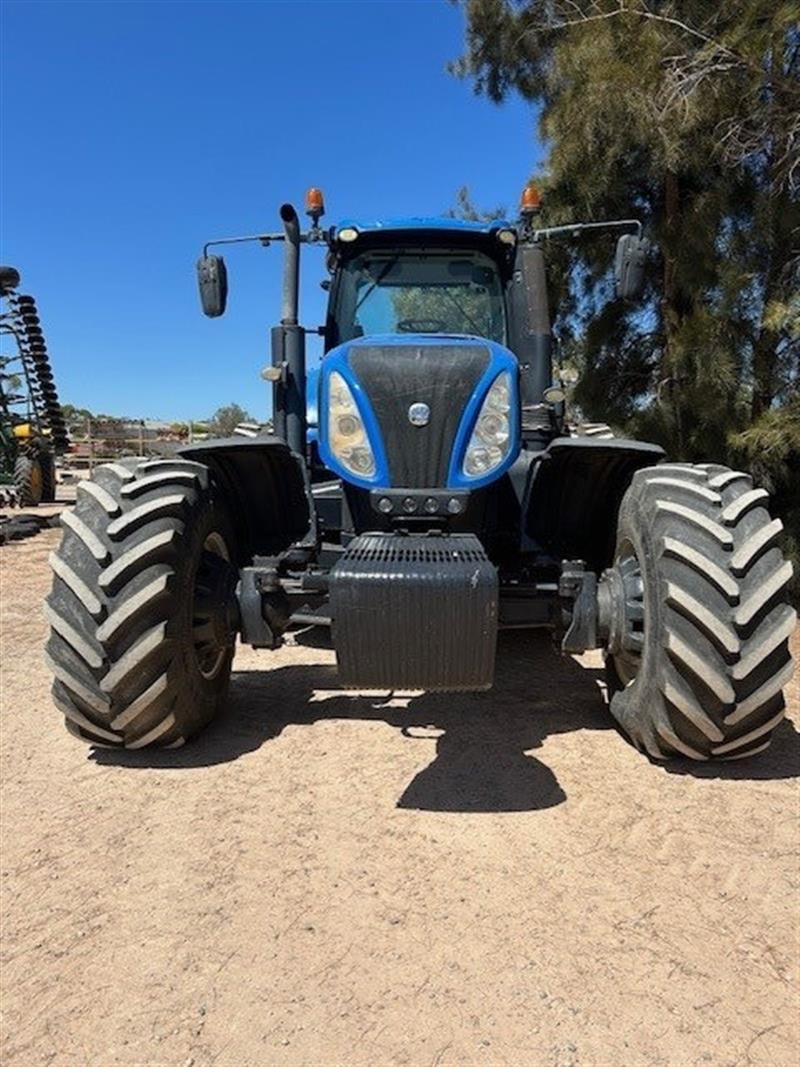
x=122, y=605
x=48, y=465
x=28, y=480
x=715, y=645
x=16, y=530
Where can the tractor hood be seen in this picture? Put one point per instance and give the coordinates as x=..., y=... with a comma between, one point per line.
x=419, y=411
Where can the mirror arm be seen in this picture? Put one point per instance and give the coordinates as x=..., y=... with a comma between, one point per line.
x=315, y=236
x=576, y=228
x=263, y=238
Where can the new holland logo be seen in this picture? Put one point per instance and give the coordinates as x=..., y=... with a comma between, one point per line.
x=419, y=414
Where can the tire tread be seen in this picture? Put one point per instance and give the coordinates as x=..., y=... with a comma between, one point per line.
x=112, y=651
x=722, y=624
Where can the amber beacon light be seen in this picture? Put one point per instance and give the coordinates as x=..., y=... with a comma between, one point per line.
x=315, y=204
x=530, y=203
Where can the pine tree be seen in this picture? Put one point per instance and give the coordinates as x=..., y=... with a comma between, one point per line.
x=685, y=114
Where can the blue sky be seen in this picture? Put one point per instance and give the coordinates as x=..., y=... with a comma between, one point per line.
x=133, y=132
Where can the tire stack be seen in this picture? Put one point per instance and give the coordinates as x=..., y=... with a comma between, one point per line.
x=18, y=527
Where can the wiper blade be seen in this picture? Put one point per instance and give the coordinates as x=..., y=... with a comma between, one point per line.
x=378, y=280
x=467, y=317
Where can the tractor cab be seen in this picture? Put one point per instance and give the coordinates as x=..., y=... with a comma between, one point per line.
x=419, y=276
x=418, y=393
x=417, y=279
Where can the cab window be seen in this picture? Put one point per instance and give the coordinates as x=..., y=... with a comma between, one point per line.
x=407, y=292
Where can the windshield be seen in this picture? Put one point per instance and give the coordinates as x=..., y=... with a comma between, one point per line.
x=407, y=292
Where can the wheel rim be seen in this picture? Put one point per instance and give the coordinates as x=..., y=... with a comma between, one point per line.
x=627, y=625
x=211, y=630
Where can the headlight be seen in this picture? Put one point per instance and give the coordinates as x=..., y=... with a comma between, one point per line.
x=347, y=437
x=491, y=438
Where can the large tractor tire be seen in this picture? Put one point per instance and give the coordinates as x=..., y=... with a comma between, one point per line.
x=48, y=464
x=28, y=480
x=700, y=624
x=142, y=609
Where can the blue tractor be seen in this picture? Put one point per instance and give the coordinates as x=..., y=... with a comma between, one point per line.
x=429, y=495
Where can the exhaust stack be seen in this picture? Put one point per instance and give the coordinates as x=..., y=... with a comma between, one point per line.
x=289, y=345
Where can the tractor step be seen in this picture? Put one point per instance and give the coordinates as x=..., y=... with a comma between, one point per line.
x=414, y=612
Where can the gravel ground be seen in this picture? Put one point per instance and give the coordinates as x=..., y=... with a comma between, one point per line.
x=431, y=880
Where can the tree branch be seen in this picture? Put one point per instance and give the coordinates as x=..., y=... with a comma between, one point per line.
x=787, y=84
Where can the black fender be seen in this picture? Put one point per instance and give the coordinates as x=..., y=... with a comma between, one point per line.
x=267, y=489
x=574, y=491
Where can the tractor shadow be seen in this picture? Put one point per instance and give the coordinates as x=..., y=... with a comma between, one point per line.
x=481, y=762
x=483, y=740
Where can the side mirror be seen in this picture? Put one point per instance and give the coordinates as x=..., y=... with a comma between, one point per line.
x=629, y=263
x=212, y=278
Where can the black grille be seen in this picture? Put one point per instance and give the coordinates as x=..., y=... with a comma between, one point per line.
x=442, y=376
x=381, y=550
x=414, y=613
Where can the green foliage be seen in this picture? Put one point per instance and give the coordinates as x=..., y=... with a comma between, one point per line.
x=770, y=448
x=76, y=417
x=465, y=208
x=12, y=382
x=225, y=420
x=685, y=114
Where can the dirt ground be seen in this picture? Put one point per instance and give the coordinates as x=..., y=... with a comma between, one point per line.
x=326, y=879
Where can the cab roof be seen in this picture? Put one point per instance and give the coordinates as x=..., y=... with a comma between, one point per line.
x=421, y=232
x=414, y=223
